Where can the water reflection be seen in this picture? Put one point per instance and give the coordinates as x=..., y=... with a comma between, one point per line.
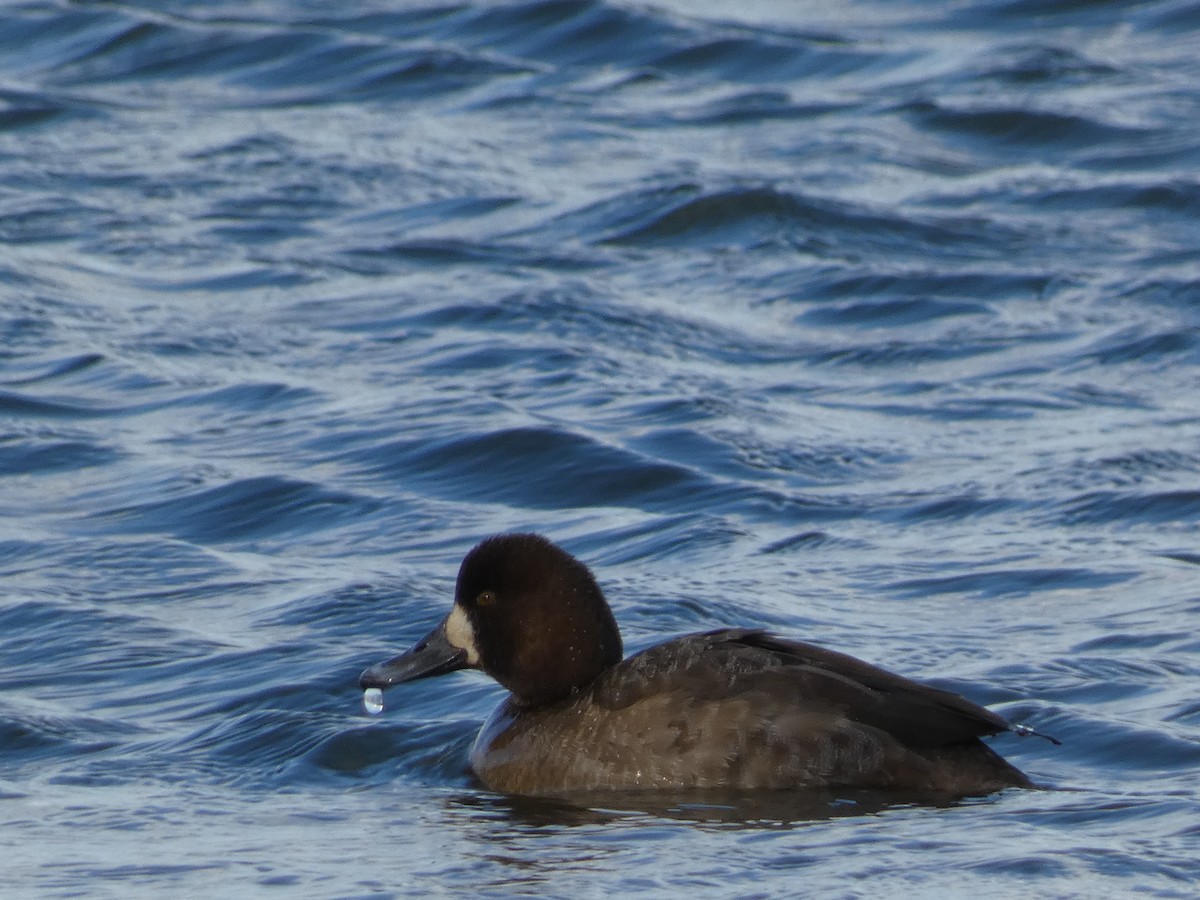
x=757, y=809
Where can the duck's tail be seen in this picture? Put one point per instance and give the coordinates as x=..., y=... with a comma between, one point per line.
x=1023, y=730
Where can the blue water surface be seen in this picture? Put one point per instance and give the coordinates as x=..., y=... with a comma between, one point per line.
x=875, y=323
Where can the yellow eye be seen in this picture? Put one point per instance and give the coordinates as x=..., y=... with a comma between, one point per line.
x=486, y=598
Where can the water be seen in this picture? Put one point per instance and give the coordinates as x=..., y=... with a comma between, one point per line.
x=372, y=700
x=876, y=324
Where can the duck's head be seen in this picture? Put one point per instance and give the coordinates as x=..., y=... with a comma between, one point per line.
x=527, y=613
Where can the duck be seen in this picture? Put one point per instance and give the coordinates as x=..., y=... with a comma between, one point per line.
x=731, y=709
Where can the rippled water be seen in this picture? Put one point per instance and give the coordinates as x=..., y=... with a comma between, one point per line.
x=877, y=324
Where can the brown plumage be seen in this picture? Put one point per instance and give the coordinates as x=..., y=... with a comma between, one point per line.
x=735, y=708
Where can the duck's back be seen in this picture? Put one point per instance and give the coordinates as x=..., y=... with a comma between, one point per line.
x=743, y=709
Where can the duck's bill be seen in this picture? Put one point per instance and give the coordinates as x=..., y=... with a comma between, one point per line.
x=434, y=655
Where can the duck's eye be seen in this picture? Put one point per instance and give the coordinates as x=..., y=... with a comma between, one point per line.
x=486, y=598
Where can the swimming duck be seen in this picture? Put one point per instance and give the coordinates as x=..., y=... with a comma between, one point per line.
x=735, y=708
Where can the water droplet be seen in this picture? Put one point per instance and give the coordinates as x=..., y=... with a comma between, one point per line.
x=373, y=701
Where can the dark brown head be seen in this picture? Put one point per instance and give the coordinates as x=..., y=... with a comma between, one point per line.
x=525, y=612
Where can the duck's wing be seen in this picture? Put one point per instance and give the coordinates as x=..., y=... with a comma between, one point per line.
x=916, y=713
x=733, y=662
